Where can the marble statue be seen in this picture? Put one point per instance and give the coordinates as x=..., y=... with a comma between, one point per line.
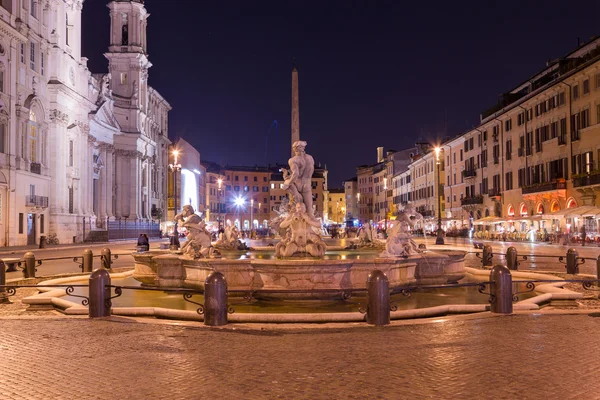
x=230, y=240
x=198, y=243
x=400, y=242
x=298, y=179
x=300, y=237
x=188, y=215
x=282, y=212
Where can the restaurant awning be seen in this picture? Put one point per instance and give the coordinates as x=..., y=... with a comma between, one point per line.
x=581, y=211
x=489, y=221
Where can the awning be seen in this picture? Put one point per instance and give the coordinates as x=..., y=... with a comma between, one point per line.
x=581, y=211
x=489, y=221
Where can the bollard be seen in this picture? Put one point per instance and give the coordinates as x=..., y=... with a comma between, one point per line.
x=29, y=270
x=88, y=260
x=511, y=258
x=501, y=290
x=572, y=267
x=486, y=259
x=42, y=242
x=3, y=294
x=215, y=300
x=378, y=298
x=99, y=303
x=106, y=258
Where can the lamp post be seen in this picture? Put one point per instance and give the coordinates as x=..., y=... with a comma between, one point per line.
x=219, y=183
x=386, y=205
x=251, y=216
x=175, y=167
x=358, y=206
x=440, y=232
x=259, y=209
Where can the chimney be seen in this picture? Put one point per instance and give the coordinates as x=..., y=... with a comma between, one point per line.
x=379, y=154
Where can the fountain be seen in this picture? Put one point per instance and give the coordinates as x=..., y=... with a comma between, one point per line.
x=298, y=269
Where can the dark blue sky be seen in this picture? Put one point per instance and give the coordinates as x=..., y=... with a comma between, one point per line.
x=372, y=73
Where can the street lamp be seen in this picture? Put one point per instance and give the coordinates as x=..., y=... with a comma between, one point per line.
x=251, y=216
x=385, y=198
x=259, y=209
x=175, y=167
x=358, y=206
x=219, y=183
x=440, y=232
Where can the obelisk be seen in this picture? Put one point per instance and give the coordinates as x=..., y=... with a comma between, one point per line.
x=295, y=108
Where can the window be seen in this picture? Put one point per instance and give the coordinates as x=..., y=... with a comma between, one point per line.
x=42, y=223
x=23, y=53
x=32, y=56
x=586, y=86
x=255, y=188
x=246, y=188
x=272, y=186
x=255, y=179
x=32, y=137
x=70, y=153
x=575, y=92
x=2, y=137
x=508, y=149
x=123, y=78
x=67, y=29
x=484, y=136
x=236, y=178
x=71, y=200
x=508, y=181
x=598, y=81
x=21, y=224
x=41, y=62
x=245, y=179
x=32, y=9
x=124, y=29
x=236, y=188
x=508, y=125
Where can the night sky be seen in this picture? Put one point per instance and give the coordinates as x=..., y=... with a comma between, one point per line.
x=372, y=73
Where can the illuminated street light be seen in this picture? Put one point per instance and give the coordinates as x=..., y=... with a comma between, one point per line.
x=175, y=167
x=440, y=232
x=239, y=202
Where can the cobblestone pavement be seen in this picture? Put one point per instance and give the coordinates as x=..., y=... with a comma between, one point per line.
x=508, y=357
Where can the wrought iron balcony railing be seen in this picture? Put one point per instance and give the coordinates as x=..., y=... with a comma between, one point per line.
x=586, y=180
x=36, y=201
x=544, y=187
x=465, y=201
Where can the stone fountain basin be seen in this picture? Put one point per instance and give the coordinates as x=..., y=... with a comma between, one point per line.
x=298, y=279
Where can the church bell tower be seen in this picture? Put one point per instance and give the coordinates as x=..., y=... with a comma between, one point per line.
x=128, y=63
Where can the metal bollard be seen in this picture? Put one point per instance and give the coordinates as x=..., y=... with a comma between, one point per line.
x=486, y=259
x=88, y=260
x=572, y=267
x=511, y=258
x=215, y=300
x=501, y=290
x=3, y=294
x=106, y=258
x=99, y=303
x=29, y=270
x=378, y=298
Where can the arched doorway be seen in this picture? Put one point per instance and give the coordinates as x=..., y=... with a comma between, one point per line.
x=571, y=203
x=510, y=210
x=554, y=207
x=539, y=209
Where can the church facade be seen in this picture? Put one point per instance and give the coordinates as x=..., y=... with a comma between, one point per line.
x=77, y=150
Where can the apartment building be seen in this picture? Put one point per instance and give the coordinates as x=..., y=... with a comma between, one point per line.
x=337, y=205
x=351, y=192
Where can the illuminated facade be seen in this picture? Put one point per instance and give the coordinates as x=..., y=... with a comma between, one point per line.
x=76, y=149
x=337, y=205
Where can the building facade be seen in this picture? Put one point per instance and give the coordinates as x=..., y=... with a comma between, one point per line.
x=77, y=149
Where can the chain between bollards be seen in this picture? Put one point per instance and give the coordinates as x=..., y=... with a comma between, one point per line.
x=378, y=297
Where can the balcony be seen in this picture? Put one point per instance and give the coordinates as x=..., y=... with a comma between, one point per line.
x=469, y=173
x=587, y=180
x=36, y=201
x=35, y=168
x=467, y=201
x=544, y=187
x=494, y=192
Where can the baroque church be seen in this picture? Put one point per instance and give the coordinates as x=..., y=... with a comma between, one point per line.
x=78, y=150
